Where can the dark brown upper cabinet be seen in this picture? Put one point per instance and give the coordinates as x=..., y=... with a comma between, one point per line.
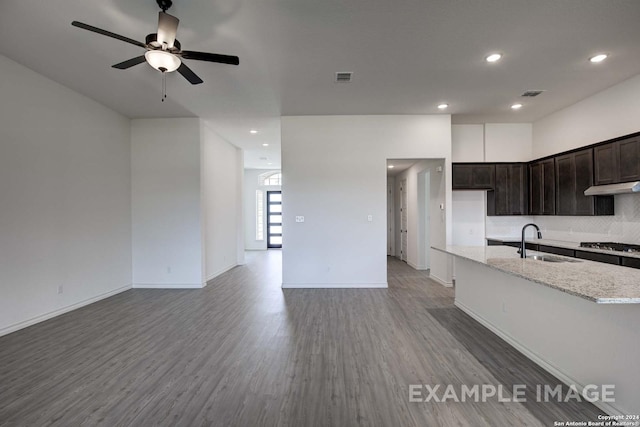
x=542, y=187
x=617, y=161
x=574, y=174
x=510, y=192
x=473, y=176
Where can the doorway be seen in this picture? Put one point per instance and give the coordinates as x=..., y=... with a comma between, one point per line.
x=274, y=219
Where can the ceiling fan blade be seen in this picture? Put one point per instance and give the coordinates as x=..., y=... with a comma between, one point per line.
x=107, y=33
x=167, y=28
x=130, y=63
x=210, y=57
x=189, y=75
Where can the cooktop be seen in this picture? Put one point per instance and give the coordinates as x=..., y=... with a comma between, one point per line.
x=611, y=246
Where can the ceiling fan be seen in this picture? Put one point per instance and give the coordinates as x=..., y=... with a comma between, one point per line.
x=163, y=50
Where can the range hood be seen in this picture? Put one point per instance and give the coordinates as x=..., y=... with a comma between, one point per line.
x=604, y=190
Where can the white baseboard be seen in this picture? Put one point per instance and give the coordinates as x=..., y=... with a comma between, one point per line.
x=167, y=286
x=417, y=267
x=553, y=370
x=439, y=280
x=29, y=322
x=221, y=271
x=334, y=285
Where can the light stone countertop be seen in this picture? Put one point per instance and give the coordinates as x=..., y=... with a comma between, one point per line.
x=598, y=282
x=565, y=244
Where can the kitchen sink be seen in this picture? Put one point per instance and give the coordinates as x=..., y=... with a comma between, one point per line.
x=550, y=258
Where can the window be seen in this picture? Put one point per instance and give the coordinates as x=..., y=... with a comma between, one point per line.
x=271, y=178
x=259, y=215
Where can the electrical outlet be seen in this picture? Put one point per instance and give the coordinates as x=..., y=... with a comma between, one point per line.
x=369, y=218
x=299, y=218
x=504, y=307
x=60, y=289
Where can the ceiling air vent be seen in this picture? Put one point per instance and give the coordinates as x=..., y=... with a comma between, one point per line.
x=343, y=76
x=532, y=93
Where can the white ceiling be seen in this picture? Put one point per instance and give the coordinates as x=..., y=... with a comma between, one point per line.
x=407, y=56
x=399, y=165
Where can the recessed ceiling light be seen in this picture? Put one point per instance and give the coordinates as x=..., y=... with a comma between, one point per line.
x=253, y=131
x=443, y=106
x=265, y=145
x=390, y=166
x=493, y=57
x=598, y=58
x=516, y=106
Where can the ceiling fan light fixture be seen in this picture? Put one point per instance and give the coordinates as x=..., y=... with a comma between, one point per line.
x=162, y=60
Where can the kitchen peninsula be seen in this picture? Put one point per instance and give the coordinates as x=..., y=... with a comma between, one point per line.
x=577, y=319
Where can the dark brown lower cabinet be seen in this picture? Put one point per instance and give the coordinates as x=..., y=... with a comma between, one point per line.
x=630, y=262
x=595, y=256
x=556, y=250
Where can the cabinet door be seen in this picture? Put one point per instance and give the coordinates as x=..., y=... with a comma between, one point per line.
x=510, y=194
x=535, y=188
x=565, y=185
x=629, y=159
x=483, y=176
x=500, y=198
x=583, y=161
x=469, y=176
x=574, y=174
x=542, y=188
x=517, y=189
x=548, y=187
x=461, y=176
x=606, y=164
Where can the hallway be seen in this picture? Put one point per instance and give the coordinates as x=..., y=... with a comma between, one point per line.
x=244, y=352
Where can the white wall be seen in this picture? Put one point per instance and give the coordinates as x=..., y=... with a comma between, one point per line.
x=167, y=243
x=469, y=211
x=251, y=178
x=66, y=206
x=335, y=168
x=222, y=179
x=608, y=114
x=467, y=143
x=508, y=142
x=491, y=142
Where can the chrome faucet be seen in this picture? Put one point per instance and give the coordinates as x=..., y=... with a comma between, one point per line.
x=523, y=249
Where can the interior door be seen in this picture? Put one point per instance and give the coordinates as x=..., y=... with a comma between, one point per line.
x=403, y=220
x=274, y=219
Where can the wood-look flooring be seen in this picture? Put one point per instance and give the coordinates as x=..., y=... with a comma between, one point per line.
x=244, y=352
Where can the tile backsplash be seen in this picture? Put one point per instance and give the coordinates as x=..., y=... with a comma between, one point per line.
x=624, y=226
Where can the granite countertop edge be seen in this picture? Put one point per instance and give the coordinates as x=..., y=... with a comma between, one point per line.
x=564, y=244
x=591, y=298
